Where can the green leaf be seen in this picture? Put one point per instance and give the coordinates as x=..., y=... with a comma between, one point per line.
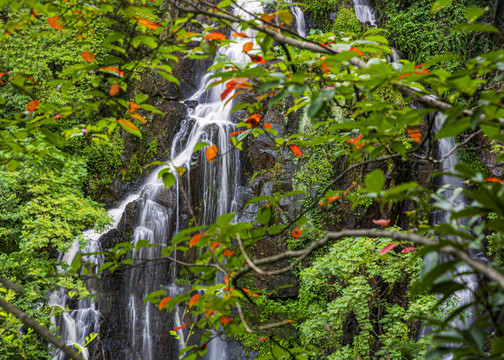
x=168, y=179
x=375, y=181
x=440, y=4
x=200, y=146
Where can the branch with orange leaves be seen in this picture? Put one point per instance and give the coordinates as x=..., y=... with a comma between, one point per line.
x=214, y=11
x=479, y=266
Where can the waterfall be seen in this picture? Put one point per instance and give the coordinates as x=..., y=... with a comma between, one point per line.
x=140, y=329
x=364, y=12
x=299, y=19
x=470, y=281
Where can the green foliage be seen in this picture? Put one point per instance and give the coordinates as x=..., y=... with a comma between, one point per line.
x=422, y=35
x=346, y=23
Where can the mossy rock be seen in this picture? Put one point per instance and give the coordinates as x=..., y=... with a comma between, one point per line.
x=346, y=23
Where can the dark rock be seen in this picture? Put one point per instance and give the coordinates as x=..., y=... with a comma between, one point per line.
x=191, y=103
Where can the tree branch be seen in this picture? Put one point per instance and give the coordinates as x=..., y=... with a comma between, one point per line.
x=41, y=330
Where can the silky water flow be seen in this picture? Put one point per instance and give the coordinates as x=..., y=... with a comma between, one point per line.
x=215, y=183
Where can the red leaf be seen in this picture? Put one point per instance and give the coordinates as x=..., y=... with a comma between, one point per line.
x=148, y=23
x=214, y=36
x=354, y=140
x=239, y=34
x=296, y=150
x=164, y=302
x=228, y=252
x=267, y=126
x=214, y=245
x=194, y=300
x=179, y=328
x=194, y=240
x=237, y=132
x=114, y=89
x=254, y=119
x=88, y=56
x=235, y=84
x=263, y=338
x=492, y=179
x=415, y=134
x=211, y=153
x=333, y=198
x=325, y=67
x=356, y=50
x=408, y=249
x=382, y=222
x=224, y=319
x=210, y=312
x=32, y=105
x=257, y=59
x=387, y=248
x=54, y=22
x=296, y=233
x=404, y=75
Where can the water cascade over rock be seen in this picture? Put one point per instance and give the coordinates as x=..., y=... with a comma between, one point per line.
x=127, y=327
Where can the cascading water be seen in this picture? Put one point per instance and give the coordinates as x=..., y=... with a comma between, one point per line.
x=158, y=217
x=445, y=147
x=299, y=19
x=364, y=11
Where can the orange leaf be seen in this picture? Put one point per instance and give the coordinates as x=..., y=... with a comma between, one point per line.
x=267, y=126
x=267, y=17
x=164, y=302
x=239, y=34
x=237, y=132
x=333, y=198
x=179, y=328
x=226, y=280
x=296, y=150
x=127, y=123
x=296, y=233
x=387, y=248
x=415, y=134
x=54, y=22
x=214, y=36
x=210, y=312
x=404, y=75
x=228, y=252
x=194, y=300
x=224, y=319
x=214, y=245
x=263, y=338
x=408, y=249
x=325, y=67
x=356, y=50
x=349, y=188
x=133, y=107
x=114, y=89
x=211, y=153
x=492, y=179
x=322, y=203
x=113, y=69
x=289, y=321
x=194, y=240
x=138, y=117
x=88, y=56
x=247, y=47
x=32, y=105
x=382, y=222
x=148, y=23
x=234, y=84
x=257, y=59
x=354, y=140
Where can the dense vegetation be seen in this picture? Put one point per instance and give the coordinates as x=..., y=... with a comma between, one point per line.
x=71, y=124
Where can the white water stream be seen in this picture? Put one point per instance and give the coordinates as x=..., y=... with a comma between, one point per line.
x=211, y=122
